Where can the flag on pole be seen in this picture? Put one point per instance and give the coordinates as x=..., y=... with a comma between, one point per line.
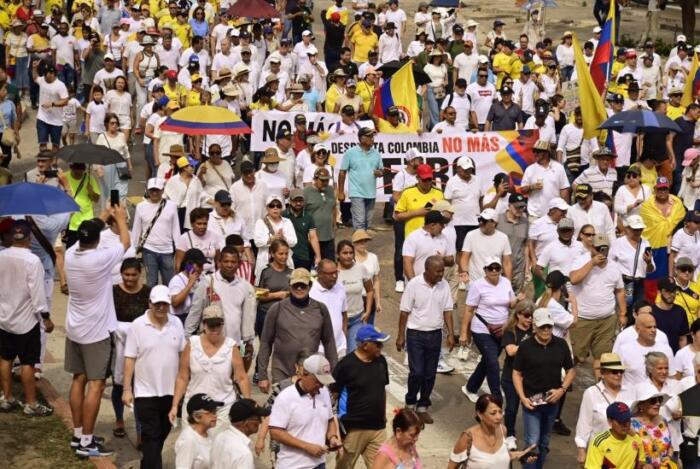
x=592, y=107
x=692, y=83
x=601, y=65
x=399, y=91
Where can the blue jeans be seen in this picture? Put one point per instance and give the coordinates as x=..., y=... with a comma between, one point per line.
x=361, y=210
x=512, y=405
x=538, y=428
x=118, y=405
x=148, y=155
x=47, y=132
x=433, y=108
x=354, y=324
x=67, y=75
x=156, y=263
x=423, y=354
x=488, y=366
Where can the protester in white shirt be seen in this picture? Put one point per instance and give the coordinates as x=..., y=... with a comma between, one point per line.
x=425, y=242
x=199, y=237
x=389, y=44
x=483, y=94
x=560, y=253
x=633, y=354
x=328, y=291
x=461, y=102
x=483, y=244
x=465, y=62
x=543, y=181
x=587, y=211
x=544, y=229
x=193, y=445
x=231, y=448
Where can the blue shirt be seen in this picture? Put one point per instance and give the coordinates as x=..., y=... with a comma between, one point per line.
x=199, y=28
x=360, y=166
x=311, y=98
x=9, y=115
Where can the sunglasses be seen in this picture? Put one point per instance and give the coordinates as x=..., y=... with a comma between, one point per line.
x=493, y=268
x=685, y=269
x=225, y=204
x=214, y=323
x=588, y=235
x=526, y=315
x=482, y=76
x=274, y=206
x=631, y=175
x=615, y=372
x=300, y=286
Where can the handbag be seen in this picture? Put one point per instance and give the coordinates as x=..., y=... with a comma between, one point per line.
x=439, y=91
x=496, y=330
x=8, y=138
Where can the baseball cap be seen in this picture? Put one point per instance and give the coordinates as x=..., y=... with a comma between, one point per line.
x=159, y=294
x=661, y=182
x=413, y=153
x=322, y=174
x=223, y=197
x=155, y=183
x=483, y=59
x=635, y=222
x=565, y=224
x=366, y=132
x=634, y=169
x=517, y=200
x=488, y=214
x=424, y=171
x=393, y=111
x=434, y=216
x=300, y=275
x=306, y=32
x=583, y=191
x=597, y=29
x=89, y=231
x=202, y=401
x=465, y=162
x=667, y=284
x=491, y=260
x=283, y=133
x=542, y=317
x=244, y=409
x=368, y=333
x=618, y=411
x=541, y=111
x=498, y=23
x=681, y=38
x=319, y=366
x=600, y=240
x=21, y=230
x=505, y=89
x=172, y=74
x=296, y=193
x=212, y=312
x=108, y=56
x=559, y=203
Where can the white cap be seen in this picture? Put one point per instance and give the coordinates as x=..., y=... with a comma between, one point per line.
x=306, y=33
x=470, y=23
x=681, y=38
x=321, y=146
x=483, y=59
x=488, y=214
x=413, y=153
x=635, y=222
x=235, y=32
x=312, y=50
x=155, y=183
x=542, y=317
x=465, y=162
x=108, y=56
x=319, y=366
x=559, y=203
x=596, y=30
x=492, y=260
x=274, y=197
x=160, y=294
x=697, y=49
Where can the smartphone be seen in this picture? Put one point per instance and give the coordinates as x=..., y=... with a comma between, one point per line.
x=51, y=173
x=114, y=197
x=189, y=268
x=530, y=454
x=647, y=250
x=539, y=399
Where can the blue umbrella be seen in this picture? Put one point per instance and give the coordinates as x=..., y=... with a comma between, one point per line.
x=640, y=121
x=28, y=198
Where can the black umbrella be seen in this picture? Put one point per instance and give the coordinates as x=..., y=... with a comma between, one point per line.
x=89, y=153
x=389, y=68
x=640, y=121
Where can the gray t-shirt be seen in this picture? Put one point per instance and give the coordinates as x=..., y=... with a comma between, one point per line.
x=91, y=65
x=353, y=280
x=274, y=281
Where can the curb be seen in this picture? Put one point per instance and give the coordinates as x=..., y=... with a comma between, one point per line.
x=62, y=409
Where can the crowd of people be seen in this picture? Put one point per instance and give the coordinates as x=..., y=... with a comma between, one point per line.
x=240, y=268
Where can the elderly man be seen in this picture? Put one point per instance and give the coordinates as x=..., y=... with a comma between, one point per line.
x=302, y=419
x=328, y=291
x=543, y=181
x=215, y=174
x=293, y=324
x=249, y=195
x=598, y=287
x=633, y=354
x=231, y=448
x=600, y=177
x=514, y=224
x=587, y=211
x=225, y=222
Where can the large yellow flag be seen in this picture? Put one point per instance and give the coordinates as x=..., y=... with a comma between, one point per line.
x=592, y=107
x=691, y=83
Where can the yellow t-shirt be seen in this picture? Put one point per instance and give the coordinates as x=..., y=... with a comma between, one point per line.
x=689, y=300
x=167, y=19
x=613, y=87
x=194, y=98
x=82, y=199
x=12, y=8
x=503, y=62
x=363, y=43
x=384, y=127
x=49, y=4
x=258, y=106
x=365, y=91
x=621, y=453
x=332, y=96
x=40, y=43
x=183, y=33
x=175, y=94
x=413, y=199
x=674, y=112
x=648, y=177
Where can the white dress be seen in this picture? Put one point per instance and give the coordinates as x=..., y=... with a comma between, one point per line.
x=261, y=237
x=120, y=104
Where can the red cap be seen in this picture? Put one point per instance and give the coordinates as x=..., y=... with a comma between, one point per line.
x=630, y=54
x=5, y=225
x=424, y=171
x=172, y=74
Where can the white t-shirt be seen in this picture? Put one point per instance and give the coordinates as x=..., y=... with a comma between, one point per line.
x=629, y=334
x=208, y=244
x=105, y=79
x=543, y=232
x=684, y=244
x=622, y=253
x=192, y=450
x=482, y=247
x=559, y=256
x=336, y=301
x=595, y=295
x=553, y=179
x=464, y=197
x=482, y=99
x=633, y=355
x=548, y=132
x=491, y=302
x=65, y=49
x=465, y=65
x=90, y=315
x=97, y=114
x=50, y=93
x=420, y=245
x=684, y=359
x=462, y=105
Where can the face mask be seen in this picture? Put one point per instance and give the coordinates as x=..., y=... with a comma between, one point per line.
x=272, y=167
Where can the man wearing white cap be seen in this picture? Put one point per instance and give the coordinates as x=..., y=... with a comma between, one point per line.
x=596, y=37
x=152, y=356
x=680, y=39
x=482, y=244
x=464, y=191
x=302, y=417
x=543, y=181
x=155, y=229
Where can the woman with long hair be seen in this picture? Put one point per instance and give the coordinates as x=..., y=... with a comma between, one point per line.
x=565, y=56
x=116, y=175
x=557, y=106
x=355, y=278
x=483, y=446
x=549, y=81
x=274, y=280
x=437, y=71
x=400, y=452
x=145, y=66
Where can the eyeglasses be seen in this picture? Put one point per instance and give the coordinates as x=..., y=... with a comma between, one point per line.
x=526, y=315
x=113, y=122
x=587, y=235
x=300, y=286
x=493, y=268
x=482, y=76
x=274, y=206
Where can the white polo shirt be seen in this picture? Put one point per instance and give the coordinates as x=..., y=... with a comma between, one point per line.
x=231, y=448
x=595, y=295
x=90, y=315
x=426, y=304
x=543, y=232
x=157, y=354
x=482, y=247
x=553, y=179
x=165, y=230
x=464, y=197
x=228, y=226
x=559, y=256
x=192, y=450
x=623, y=254
x=336, y=301
x=684, y=244
x=420, y=245
x=304, y=417
x=597, y=215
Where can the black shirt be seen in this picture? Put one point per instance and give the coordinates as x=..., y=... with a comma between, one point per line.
x=129, y=306
x=655, y=146
x=301, y=22
x=673, y=322
x=683, y=140
x=541, y=365
x=335, y=35
x=512, y=338
x=362, y=402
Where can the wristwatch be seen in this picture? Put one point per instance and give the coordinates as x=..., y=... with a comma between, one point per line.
x=45, y=315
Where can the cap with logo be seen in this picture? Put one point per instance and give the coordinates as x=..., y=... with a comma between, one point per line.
x=635, y=222
x=21, y=230
x=433, y=216
x=368, y=333
x=366, y=132
x=465, y=162
x=505, y=89
x=89, y=231
x=319, y=366
x=542, y=317
x=202, y=401
x=155, y=183
x=618, y=412
x=517, y=200
x=322, y=174
x=583, y=191
x=243, y=409
x=600, y=240
x=222, y=196
x=492, y=260
x=662, y=183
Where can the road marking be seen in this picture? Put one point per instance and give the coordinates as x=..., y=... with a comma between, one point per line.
x=398, y=379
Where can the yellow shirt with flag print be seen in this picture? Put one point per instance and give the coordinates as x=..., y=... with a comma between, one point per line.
x=385, y=127
x=618, y=453
x=413, y=199
x=175, y=94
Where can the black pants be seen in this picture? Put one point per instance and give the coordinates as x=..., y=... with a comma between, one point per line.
x=302, y=263
x=399, y=236
x=327, y=249
x=155, y=427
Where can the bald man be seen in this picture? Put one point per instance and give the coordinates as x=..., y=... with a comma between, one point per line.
x=632, y=354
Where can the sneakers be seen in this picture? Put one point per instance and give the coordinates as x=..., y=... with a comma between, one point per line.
x=443, y=367
x=463, y=354
x=400, y=286
x=560, y=429
x=37, y=410
x=94, y=449
x=471, y=395
x=425, y=417
x=462, y=286
x=75, y=441
x=511, y=443
x=8, y=405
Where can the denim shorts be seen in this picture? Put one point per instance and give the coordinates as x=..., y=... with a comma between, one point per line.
x=47, y=131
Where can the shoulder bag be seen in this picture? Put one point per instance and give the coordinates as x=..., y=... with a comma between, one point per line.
x=8, y=138
x=144, y=236
x=496, y=330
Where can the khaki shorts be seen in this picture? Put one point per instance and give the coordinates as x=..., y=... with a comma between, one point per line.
x=360, y=443
x=95, y=361
x=593, y=335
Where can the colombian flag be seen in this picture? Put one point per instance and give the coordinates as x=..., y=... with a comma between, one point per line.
x=603, y=58
x=692, y=83
x=592, y=107
x=400, y=91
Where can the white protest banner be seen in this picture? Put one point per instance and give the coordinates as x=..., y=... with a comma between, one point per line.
x=507, y=152
x=266, y=124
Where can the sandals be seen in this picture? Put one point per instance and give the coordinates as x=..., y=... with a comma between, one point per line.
x=119, y=432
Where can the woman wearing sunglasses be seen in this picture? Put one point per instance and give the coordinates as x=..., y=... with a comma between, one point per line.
x=270, y=227
x=592, y=418
x=652, y=427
